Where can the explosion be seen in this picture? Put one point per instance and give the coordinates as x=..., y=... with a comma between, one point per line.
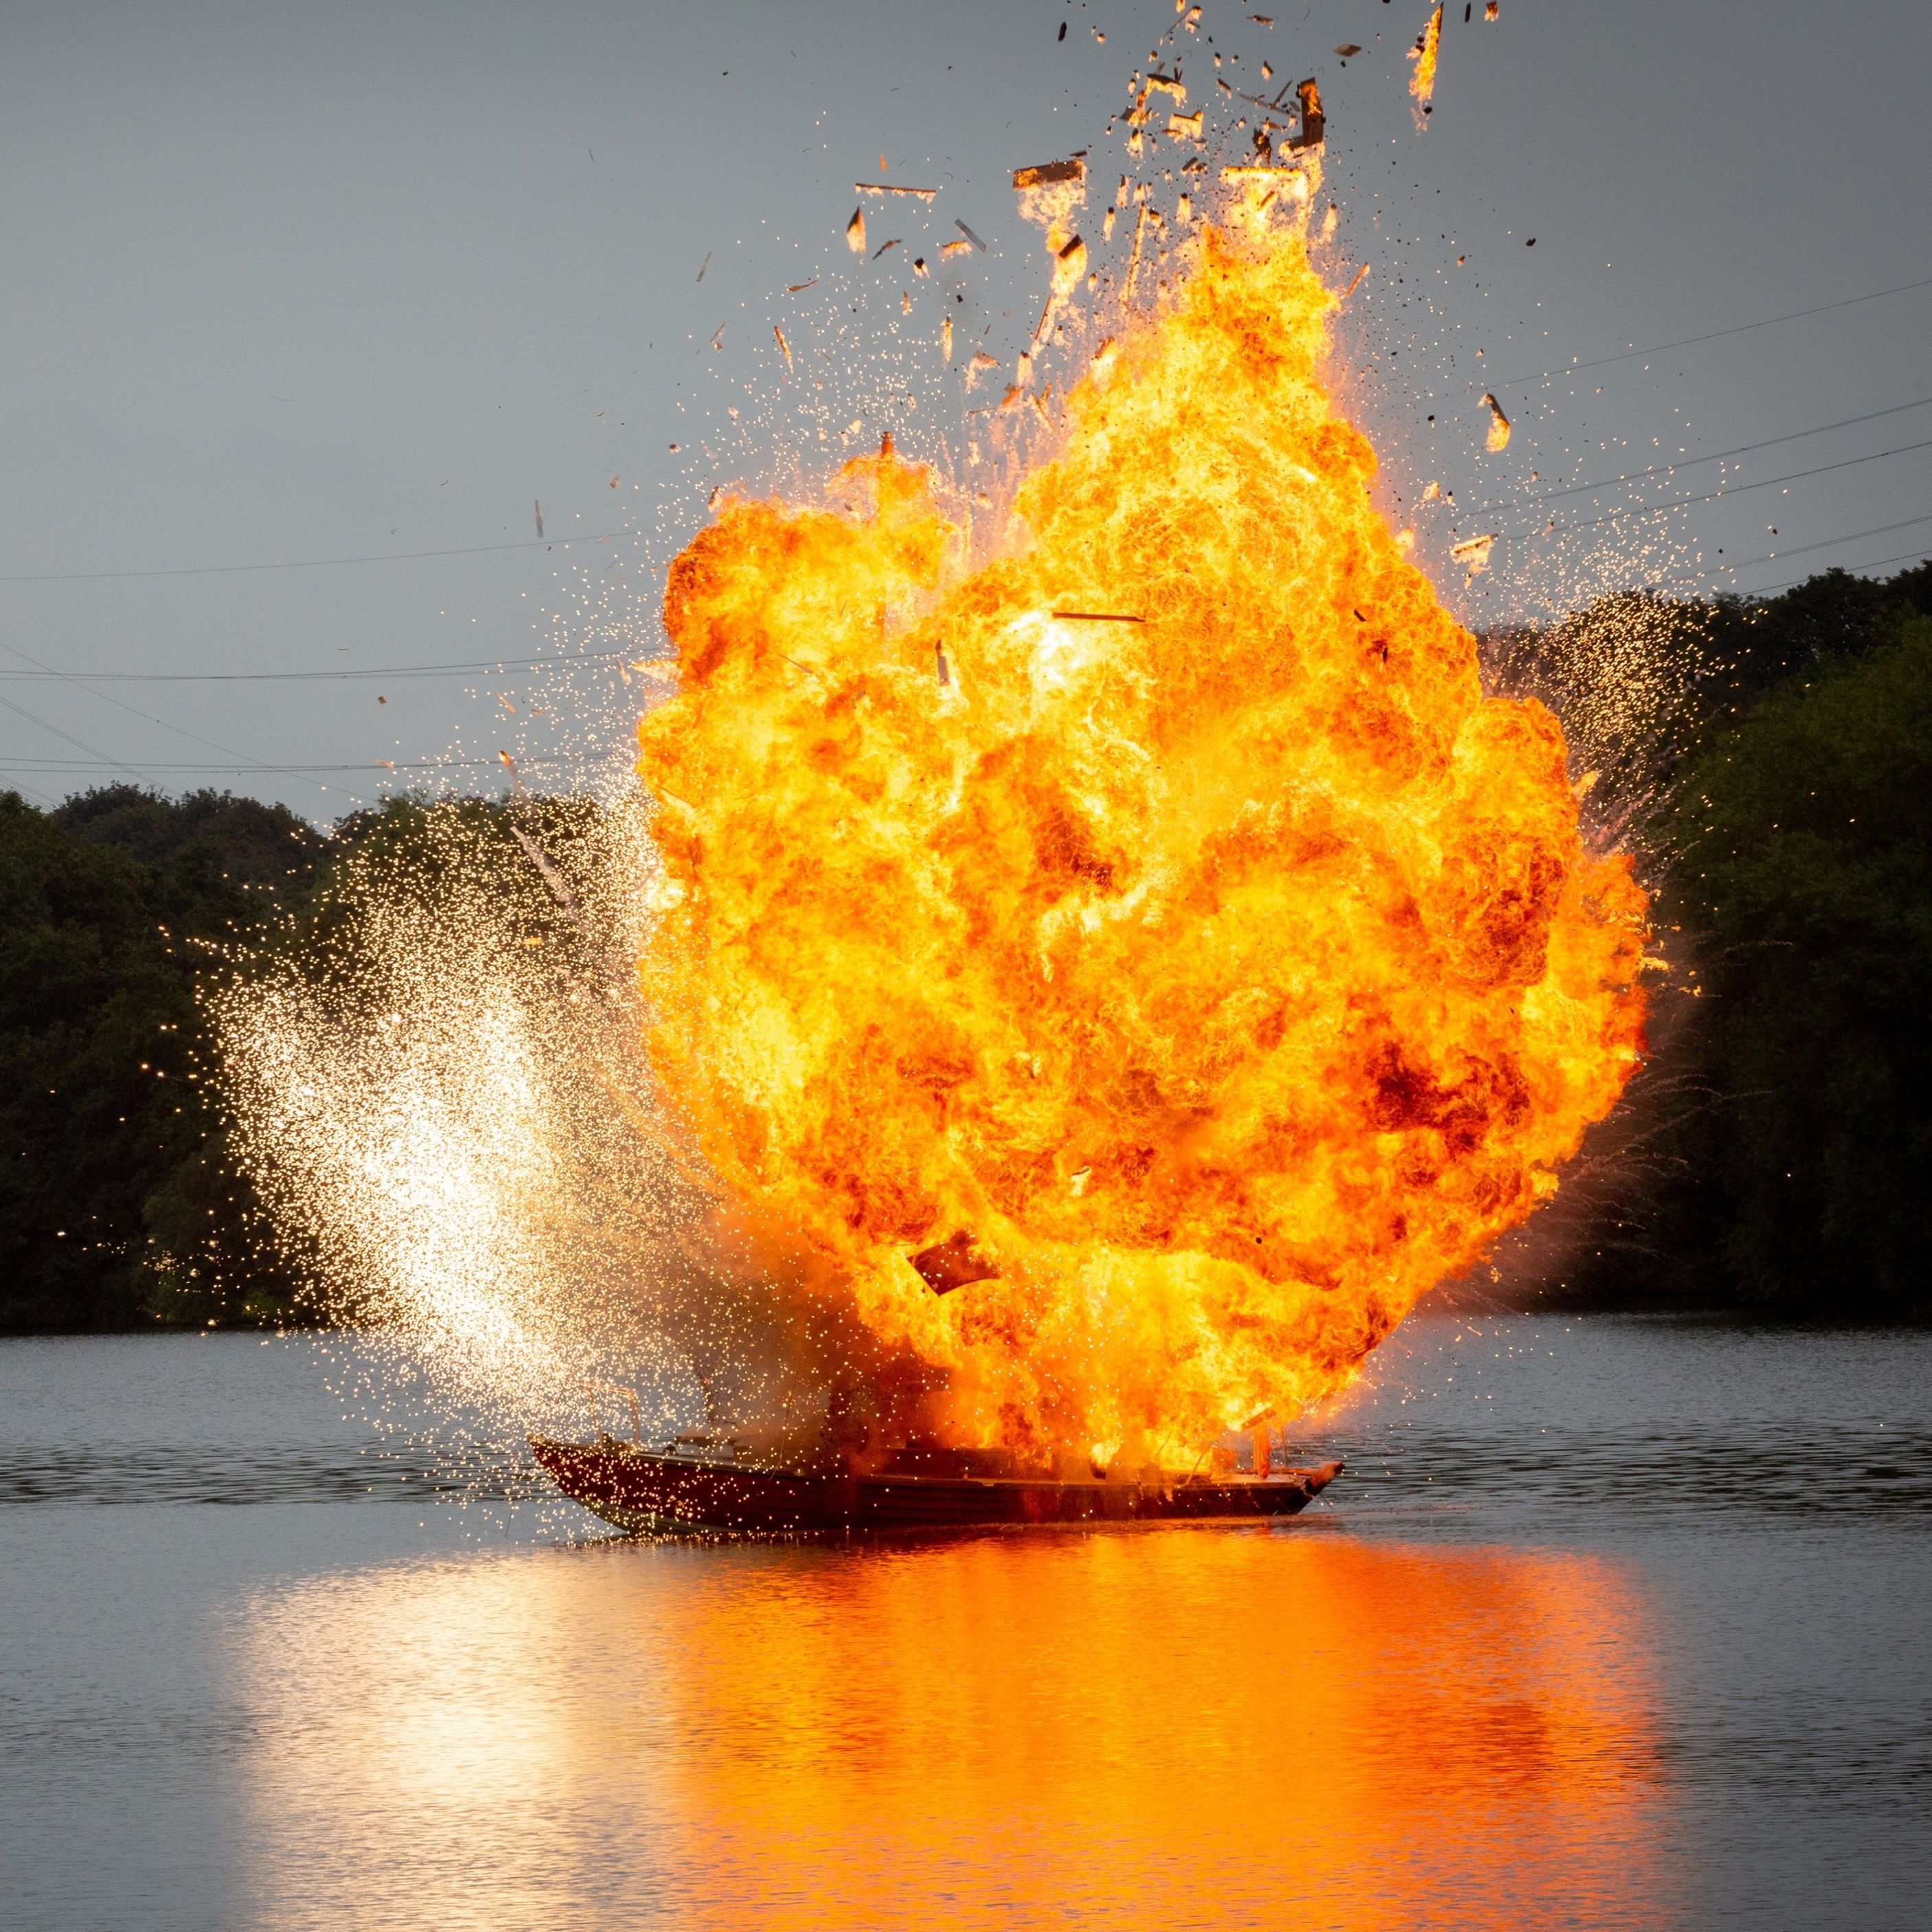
x=1139, y=963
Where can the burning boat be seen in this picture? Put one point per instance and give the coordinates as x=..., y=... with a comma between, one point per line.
x=703, y=1482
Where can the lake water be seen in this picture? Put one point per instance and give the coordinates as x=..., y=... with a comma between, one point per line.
x=1612, y=1622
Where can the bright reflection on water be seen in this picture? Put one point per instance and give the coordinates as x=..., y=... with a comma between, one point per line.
x=1610, y=1624
x=1176, y=1727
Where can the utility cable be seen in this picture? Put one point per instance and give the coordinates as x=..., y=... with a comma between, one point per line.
x=1804, y=550
x=483, y=665
x=180, y=731
x=298, y=563
x=1711, y=335
x=1693, y=462
x=1711, y=496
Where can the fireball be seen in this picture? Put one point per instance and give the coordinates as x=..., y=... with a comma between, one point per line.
x=1139, y=962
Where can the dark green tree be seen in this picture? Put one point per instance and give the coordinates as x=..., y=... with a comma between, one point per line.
x=1806, y=837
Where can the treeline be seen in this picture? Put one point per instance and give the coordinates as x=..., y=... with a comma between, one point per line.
x=1777, y=1152
x=1772, y=760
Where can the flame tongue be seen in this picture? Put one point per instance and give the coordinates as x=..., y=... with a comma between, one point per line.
x=1220, y=983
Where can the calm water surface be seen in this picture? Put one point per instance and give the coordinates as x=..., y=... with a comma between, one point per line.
x=1612, y=1623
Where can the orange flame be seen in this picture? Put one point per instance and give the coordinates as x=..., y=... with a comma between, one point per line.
x=1154, y=927
x=1428, y=44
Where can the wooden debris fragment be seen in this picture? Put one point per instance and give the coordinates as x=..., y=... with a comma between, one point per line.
x=955, y=248
x=970, y=236
x=855, y=232
x=1313, y=121
x=893, y=187
x=1361, y=276
x=1474, y=554
x=799, y=288
x=1499, y=425
x=1185, y=126
x=1050, y=174
x=952, y=1263
x=1347, y=49
x=884, y=245
x=784, y=347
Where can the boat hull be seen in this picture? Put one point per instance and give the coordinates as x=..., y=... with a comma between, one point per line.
x=643, y=1492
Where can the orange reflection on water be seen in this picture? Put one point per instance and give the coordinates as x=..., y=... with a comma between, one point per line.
x=1175, y=1728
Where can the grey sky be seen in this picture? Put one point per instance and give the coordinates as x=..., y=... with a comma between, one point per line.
x=300, y=283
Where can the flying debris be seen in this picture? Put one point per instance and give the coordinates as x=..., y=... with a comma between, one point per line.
x=799, y=288
x=855, y=232
x=955, y=248
x=1347, y=49
x=893, y=187
x=946, y=339
x=1474, y=554
x=1049, y=174
x=717, y=340
x=784, y=347
x=951, y=1264
x=539, y=503
x=1499, y=425
x=884, y=245
x=1186, y=126
x=970, y=236
x=1360, y=276
x=1492, y=11
x=1422, y=81
x=1313, y=121
x=705, y=264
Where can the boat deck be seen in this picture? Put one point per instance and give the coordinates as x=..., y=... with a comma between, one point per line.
x=649, y=1491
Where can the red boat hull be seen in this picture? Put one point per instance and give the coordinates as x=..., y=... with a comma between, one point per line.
x=642, y=1491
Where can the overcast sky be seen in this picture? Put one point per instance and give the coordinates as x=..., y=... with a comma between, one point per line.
x=290, y=285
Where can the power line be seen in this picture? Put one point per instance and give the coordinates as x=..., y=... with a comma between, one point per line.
x=1711, y=496
x=107, y=697
x=1804, y=550
x=102, y=763
x=302, y=676
x=106, y=763
x=299, y=563
x=1904, y=557
x=1712, y=335
x=1693, y=462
